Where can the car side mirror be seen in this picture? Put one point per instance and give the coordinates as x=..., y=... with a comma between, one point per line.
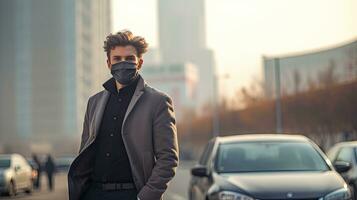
x=342, y=166
x=200, y=171
x=17, y=168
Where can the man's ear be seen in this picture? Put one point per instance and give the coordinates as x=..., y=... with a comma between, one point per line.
x=108, y=64
x=141, y=61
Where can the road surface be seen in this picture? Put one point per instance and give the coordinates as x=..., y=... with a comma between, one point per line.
x=177, y=189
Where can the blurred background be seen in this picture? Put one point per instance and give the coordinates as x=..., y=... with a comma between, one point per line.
x=231, y=67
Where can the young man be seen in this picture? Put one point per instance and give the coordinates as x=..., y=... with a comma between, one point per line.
x=129, y=147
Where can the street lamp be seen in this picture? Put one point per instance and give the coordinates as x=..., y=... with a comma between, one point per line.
x=278, y=112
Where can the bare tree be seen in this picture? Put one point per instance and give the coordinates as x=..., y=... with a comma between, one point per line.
x=328, y=77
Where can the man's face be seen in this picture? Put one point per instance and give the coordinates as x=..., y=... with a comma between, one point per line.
x=124, y=53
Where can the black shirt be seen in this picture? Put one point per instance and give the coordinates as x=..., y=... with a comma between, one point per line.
x=111, y=162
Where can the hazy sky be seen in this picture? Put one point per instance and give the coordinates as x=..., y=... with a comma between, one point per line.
x=241, y=31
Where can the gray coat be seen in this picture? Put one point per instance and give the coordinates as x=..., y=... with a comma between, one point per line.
x=150, y=138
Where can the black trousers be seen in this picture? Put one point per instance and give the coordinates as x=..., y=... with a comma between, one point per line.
x=50, y=180
x=95, y=193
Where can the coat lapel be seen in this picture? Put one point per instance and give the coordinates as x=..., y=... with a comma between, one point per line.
x=99, y=111
x=139, y=91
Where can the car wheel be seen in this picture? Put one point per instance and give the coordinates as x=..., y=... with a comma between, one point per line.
x=353, y=191
x=29, y=189
x=190, y=195
x=12, y=189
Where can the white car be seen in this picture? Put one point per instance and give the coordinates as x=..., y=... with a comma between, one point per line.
x=15, y=174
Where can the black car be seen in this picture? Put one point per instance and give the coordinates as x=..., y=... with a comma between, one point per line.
x=266, y=166
x=346, y=152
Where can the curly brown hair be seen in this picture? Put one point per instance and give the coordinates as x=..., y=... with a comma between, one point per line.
x=124, y=38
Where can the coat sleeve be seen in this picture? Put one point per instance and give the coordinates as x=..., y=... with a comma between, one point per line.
x=85, y=131
x=165, y=149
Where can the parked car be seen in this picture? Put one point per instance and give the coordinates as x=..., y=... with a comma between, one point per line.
x=346, y=152
x=15, y=174
x=266, y=166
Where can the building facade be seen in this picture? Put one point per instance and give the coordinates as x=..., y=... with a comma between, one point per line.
x=182, y=39
x=51, y=61
x=299, y=72
x=177, y=80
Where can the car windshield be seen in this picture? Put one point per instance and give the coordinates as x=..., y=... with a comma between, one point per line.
x=4, y=163
x=269, y=156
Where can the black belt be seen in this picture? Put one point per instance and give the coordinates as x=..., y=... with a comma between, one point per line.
x=114, y=186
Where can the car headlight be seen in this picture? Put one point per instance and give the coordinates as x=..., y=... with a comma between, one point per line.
x=340, y=194
x=227, y=195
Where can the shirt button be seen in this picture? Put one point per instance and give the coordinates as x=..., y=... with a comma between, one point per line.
x=119, y=99
x=115, y=118
x=111, y=134
x=107, y=154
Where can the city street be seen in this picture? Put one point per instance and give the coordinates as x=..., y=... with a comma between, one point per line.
x=60, y=192
x=255, y=99
x=177, y=189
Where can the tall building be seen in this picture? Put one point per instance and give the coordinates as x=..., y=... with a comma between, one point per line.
x=93, y=24
x=182, y=38
x=299, y=71
x=51, y=61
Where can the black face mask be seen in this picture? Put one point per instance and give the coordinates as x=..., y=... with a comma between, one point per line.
x=124, y=72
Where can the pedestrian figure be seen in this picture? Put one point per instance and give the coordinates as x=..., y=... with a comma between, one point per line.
x=50, y=168
x=38, y=167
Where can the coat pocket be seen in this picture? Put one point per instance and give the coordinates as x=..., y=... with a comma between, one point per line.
x=148, y=165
